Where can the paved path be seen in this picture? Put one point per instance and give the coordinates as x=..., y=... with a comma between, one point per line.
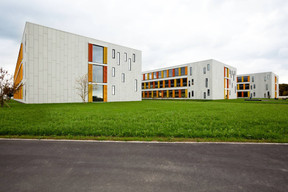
x=136, y=167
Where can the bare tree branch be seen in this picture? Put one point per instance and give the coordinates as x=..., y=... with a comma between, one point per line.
x=82, y=87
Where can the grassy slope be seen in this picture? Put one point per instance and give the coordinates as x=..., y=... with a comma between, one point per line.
x=233, y=120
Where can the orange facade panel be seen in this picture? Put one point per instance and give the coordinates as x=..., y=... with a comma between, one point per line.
x=105, y=74
x=90, y=73
x=186, y=68
x=105, y=93
x=90, y=91
x=173, y=73
x=169, y=83
x=90, y=51
x=143, y=76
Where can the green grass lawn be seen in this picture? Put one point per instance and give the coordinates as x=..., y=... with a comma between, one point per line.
x=165, y=120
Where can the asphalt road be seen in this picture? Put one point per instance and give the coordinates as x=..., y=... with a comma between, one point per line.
x=136, y=167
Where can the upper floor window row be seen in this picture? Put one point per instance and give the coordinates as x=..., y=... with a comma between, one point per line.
x=166, y=73
x=243, y=79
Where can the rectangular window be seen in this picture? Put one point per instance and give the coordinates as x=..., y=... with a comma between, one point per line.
x=204, y=71
x=192, y=93
x=129, y=64
x=189, y=95
x=208, y=67
x=125, y=56
x=252, y=78
x=143, y=86
x=190, y=70
x=118, y=58
x=182, y=71
x=254, y=94
x=266, y=86
x=189, y=83
x=135, y=85
x=123, y=77
x=206, y=82
x=97, y=93
x=204, y=95
x=254, y=86
x=161, y=84
x=165, y=73
x=166, y=83
x=178, y=82
x=97, y=74
x=113, y=53
x=241, y=86
x=192, y=82
x=170, y=72
x=176, y=72
x=155, y=75
x=113, y=71
x=239, y=79
x=134, y=57
x=245, y=78
x=264, y=78
x=98, y=54
x=185, y=82
x=208, y=92
x=113, y=89
x=150, y=76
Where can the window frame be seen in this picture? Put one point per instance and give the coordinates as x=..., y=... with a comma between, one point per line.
x=113, y=53
x=113, y=71
x=123, y=77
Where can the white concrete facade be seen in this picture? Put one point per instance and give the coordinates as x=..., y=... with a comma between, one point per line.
x=258, y=85
x=54, y=59
x=205, y=80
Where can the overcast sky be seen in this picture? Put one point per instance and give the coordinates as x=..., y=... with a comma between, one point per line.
x=251, y=35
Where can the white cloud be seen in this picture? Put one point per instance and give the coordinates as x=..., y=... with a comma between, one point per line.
x=250, y=35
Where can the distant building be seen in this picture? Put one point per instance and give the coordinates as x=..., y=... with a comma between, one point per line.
x=207, y=79
x=51, y=60
x=258, y=85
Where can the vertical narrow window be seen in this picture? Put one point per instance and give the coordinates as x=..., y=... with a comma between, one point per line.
x=129, y=64
x=190, y=70
x=252, y=78
x=113, y=89
x=125, y=56
x=113, y=71
x=135, y=84
x=189, y=83
x=192, y=93
x=97, y=74
x=204, y=95
x=123, y=77
x=134, y=57
x=266, y=86
x=206, y=82
x=192, y=81
x=204, y=70
x=208, y=67
x=113, y=53
x=189, y=95
x=118, y=58
x=208, y=92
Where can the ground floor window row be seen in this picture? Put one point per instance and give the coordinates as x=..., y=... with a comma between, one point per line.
x=165, y=83
x=183, y=93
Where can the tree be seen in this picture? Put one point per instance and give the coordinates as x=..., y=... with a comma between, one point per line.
x=283, y=89
x=7, y=88
x=82, y=87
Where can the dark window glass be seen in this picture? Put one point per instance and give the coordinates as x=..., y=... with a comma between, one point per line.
x=178, y=82
x=183, y=93
x=165, y=93
x=245, y=94
x=189, y=95
x=246, y=86
x=240, y=86
x=142, y=85
x=192, y=83
x=97, y=74
x=166, y=83
x=172, y=83
x=97, y=54
x=239, y=94
x=189, y=83
x=204, y=71
x=204, y=95
x=192, y=93
x=185, y=82
x=245, y=79
x=97, y=93
x=252, y=78
x=170, y=93
x=161, y=84
x=176, y=93
x=134, y=58
x=239, y=79
x=208, y=92
x=206, y=82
